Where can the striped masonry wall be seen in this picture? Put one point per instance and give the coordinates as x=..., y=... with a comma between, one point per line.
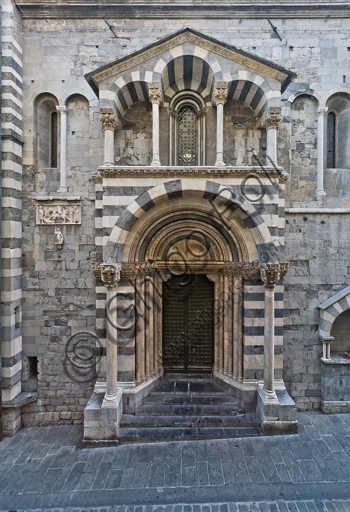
x=253, y=330
x=121, y=206
x=11, y=222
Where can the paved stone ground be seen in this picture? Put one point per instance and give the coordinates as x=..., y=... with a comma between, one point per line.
x=45, y=469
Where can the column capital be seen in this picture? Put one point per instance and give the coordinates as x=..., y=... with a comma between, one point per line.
x=220, y=93
x=321, y=111
x=155, y=92
x=109, y=274
x=271, y=117
x=61, y=109
x=271, y=273
x=109, y=118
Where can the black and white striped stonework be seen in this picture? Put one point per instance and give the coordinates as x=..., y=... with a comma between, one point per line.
x=187, y=73
x=175, y=189
x=253, y=329
x=11, y=227
x=248, y=93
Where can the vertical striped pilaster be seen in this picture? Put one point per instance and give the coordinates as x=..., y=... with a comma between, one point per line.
x=253, y=330
x=11, y=221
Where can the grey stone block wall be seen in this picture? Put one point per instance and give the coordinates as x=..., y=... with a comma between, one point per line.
x=59, y=297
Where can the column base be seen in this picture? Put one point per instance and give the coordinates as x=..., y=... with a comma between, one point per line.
x=108, y=164
x=102, y=419
x=112, y=401
x=278, y=415
x=156, y=163
x=62, y=190
x=220, y=163
x=320, y=192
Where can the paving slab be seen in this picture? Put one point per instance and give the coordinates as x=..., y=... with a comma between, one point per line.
x=47, y=468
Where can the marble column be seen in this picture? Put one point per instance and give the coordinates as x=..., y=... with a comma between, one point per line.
x=271, y=117
x=219, y=99
x=271, y=274
x=320, y=150
x=110, y=122
x=63, y=150
x=110, y=276
x=155, y=97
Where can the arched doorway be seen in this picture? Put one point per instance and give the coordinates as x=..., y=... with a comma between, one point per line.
x=188, y=324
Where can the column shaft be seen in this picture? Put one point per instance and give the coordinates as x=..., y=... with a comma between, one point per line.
x=63, y=149
x=271, y=143
x=140, y=332
x=269, y=340
x=111, y=344
x=320, y=151
x=220, y=135
x=109, y=147
x=155, y=133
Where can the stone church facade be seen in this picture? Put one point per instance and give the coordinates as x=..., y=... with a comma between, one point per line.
x=175, y=201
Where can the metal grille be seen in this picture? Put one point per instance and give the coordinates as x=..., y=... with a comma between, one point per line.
x=54, y=139
x=188, y=325
x=331, y=141
x=187, y=136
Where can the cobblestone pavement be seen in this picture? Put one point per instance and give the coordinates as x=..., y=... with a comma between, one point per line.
x=45, y=469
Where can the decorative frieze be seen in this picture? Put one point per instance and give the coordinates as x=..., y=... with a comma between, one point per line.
x=271, y=117
x=189, y=37
x=155, y=92
x=58, y=214
x=188, y=172
x=220, y=93
x=109, y=118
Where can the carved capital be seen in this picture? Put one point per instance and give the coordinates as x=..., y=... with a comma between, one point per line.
x=109, y=118
x=220, y=93
x=271, y=117
x=61, y=110
x=155, y=92
x=321, y=111
x=271, y=273
x=110, y=274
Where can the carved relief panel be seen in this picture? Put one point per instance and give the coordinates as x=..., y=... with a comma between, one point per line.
x=58, y=214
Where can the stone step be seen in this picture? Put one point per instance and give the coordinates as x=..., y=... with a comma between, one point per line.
x=159, y=434
x=188, y=377
x=183, y=410
x=189, y=399
x=173, y=387
x=249, y=419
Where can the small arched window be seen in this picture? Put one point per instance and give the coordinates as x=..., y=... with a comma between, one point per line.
x=331, y=137
x=54, y=139
x=187, y=135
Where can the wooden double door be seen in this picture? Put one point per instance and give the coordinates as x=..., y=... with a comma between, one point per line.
x=188, y=324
